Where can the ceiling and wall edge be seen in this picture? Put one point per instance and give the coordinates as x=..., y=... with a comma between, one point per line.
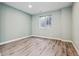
x=37, y=13
x=16, y=9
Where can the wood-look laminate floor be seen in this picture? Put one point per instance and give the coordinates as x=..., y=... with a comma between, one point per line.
x=35, y=46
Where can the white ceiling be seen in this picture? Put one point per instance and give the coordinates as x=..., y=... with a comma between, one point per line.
x=38, y=7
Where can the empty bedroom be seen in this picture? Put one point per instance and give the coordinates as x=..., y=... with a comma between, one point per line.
x=39, y=29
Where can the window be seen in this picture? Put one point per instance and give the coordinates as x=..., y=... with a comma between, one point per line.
x=45, y=21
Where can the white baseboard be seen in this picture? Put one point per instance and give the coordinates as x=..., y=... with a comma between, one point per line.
x=35, y=36
x=75, y=47
x=53, y=38
x=14, y=40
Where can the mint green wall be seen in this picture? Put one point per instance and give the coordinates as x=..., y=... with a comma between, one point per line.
x=75, y=24
x=13, y=23
x=66, y=18
x=61, y=24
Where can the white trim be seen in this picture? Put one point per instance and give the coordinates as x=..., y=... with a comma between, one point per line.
x=53, y=38
x=35, y=36
x=75, y=46
x=14, y=40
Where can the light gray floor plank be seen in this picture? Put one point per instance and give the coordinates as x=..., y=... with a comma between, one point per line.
x=35, y=46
